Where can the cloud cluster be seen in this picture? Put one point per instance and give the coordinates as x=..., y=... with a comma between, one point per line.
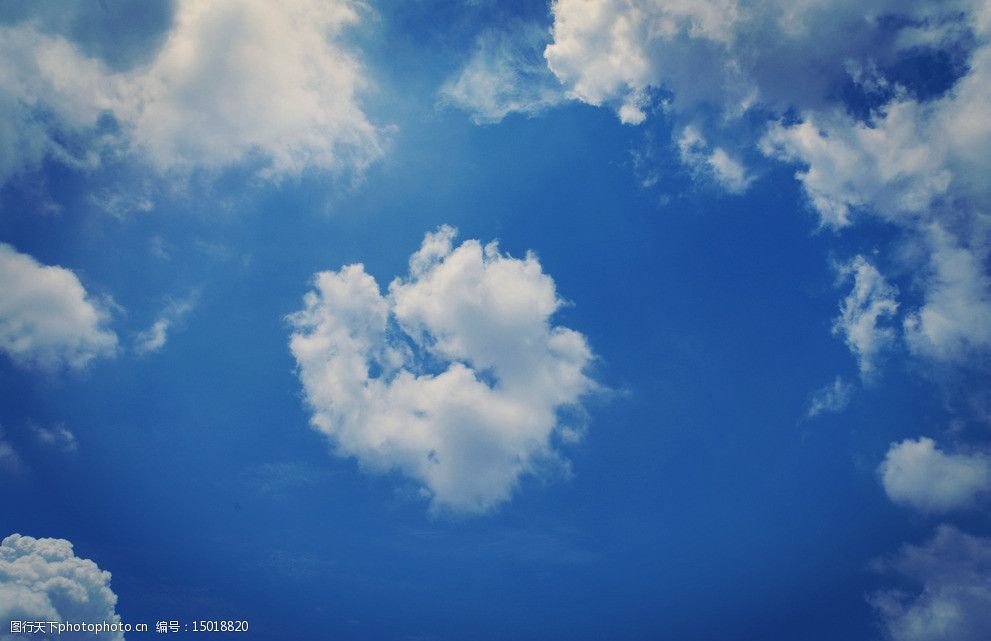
x=950, y=576
x=950, y=597
x=233, y=82
x=43, y=580
x=47, y=319
x=821, y=86
x=732, y=56
x=456, y=377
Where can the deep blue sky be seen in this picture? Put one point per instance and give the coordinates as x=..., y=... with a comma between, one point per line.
x=703, y=502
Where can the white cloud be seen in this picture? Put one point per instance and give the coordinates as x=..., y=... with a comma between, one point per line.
x=10, y=460
x=42, y=78
x=911, y=156
x=43, y=580
x=923, y=166
x=456, y=377
x=697, y=154
x=955, y=320
x=154, y=337
x=724, y=67
x=915, y=473
x=871, y=301
x=236, y=78
x=731, y=76
x=889, y=166
x=233, y=82
x=834, y=397
x=733, y=55
x=612, y=52
x=953, y=599
x=57, y=437
x=505, y=74
x=47, y=319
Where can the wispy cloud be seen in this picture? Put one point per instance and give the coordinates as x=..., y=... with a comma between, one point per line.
x=154, y=338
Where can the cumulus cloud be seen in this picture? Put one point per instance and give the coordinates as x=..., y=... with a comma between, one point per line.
x=47, y=319
x=456, y=377
x=908, y=157
x=728, y=68
x=870, y=301
x=611, y=53
x=731, y=55
x=505, y=74
x=233, y=82
x=888, y=165
x=834, y=397
x=43, y=580
x=950, y=595
x=917, y=474
x=237, y=78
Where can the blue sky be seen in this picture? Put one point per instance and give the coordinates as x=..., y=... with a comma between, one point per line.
x=723, y=374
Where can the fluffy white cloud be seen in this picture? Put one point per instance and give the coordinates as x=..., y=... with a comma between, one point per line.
x=871, y=301
x=951, y=595
x=505, y=74
x=43, y=580
x=917, y=474
x=47, y=319
x=831, y=398
x=235, y=78
x=888, y=165
x=457, y=377
x=612, y=52
x=233, y=82
x=910, y=156
x=731, y=55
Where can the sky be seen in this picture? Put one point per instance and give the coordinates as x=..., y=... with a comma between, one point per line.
x=588, y=319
